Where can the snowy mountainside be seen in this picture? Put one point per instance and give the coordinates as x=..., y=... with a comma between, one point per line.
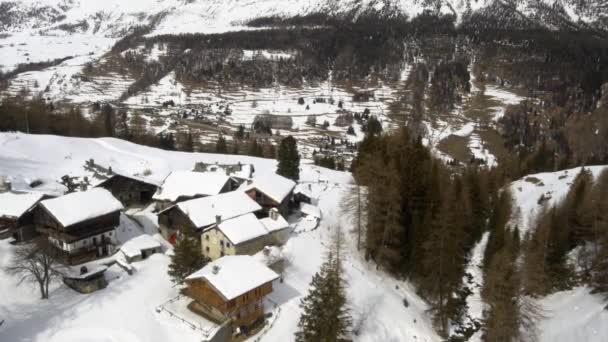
x=376, y=299
x=114, y=17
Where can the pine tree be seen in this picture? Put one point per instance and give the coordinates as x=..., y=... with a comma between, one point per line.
x=325, y=316
x=220, y=145
x=289, y=159
x=186, y=258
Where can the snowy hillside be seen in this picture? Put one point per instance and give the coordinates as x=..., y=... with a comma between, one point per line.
x=126, y=310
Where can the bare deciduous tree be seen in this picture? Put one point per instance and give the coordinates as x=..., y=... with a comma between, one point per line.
x=36, y=263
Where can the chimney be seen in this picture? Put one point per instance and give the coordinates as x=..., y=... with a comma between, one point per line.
x=83, y=270
x=216, y=269
x=274, y=214
x=218, y=219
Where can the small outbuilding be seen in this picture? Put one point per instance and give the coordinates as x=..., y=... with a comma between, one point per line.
x=87, y=280
x=140, y=248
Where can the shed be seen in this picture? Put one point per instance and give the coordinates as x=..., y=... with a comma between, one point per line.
x=140, y=248
x=87, y=280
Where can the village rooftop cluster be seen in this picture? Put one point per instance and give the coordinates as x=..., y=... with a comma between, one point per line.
x=235, y=214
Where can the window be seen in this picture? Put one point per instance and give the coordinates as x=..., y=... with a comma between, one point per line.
x=222, y=243
x=228, y=244
x=207, y=237
x=207, y=249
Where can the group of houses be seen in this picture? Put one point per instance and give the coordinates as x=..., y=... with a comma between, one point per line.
x=233, y=214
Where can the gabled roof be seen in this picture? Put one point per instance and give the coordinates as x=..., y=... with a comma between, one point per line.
x=77, y=207
x=14, y=205
x=236, y=275
x=203, y=211
x=242, y=228
x=275, y=225
x=133, y=247
x=310, y=210
x=190, y=184
x=135, y=178
x=274, y=186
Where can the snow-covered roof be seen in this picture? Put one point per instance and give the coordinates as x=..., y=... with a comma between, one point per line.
x=190, y=184
x=274, y=225
x=202, y=211
x=91, y=272
x=310, y=210
x=81, y=206
x=242, y=228
x=14, y=205
x=133, y=247
x=236, y=275
x=274, y=186
x=137, y=178
x=303, y=189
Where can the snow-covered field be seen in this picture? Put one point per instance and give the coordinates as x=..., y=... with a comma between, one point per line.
x=126, y=309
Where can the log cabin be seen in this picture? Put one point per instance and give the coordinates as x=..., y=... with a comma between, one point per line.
x=81, y=225
x=272, y=191
x=232, y=288
x=16, y=215
x=201, y=213
x=131, y=191
x=180, y=186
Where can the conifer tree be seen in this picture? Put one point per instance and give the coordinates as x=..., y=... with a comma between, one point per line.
x=186, y=258
x=289, y=159
x=220, y=145
x=325, y=316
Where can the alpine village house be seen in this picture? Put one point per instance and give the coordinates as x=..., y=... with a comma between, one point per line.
x=16, y=215
x=81, y=225
x=232, y=289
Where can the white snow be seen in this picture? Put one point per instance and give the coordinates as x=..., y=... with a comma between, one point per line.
x=14, y=205
x=81, y=206
x=575, y=315
x=274, y=186
x=310, y=210
x=236, y=275
x=190, y=184
x=242, y=228
x=126, y=310
x=133, y=247
x=203, y=211
x=553, y=186
x=273, y=225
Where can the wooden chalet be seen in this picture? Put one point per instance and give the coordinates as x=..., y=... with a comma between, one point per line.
x=272, y=191
x=182, y=186
x=232, y=289
x=81, y=225
x=16, y=215
x=130, y=190
x=202, y=213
